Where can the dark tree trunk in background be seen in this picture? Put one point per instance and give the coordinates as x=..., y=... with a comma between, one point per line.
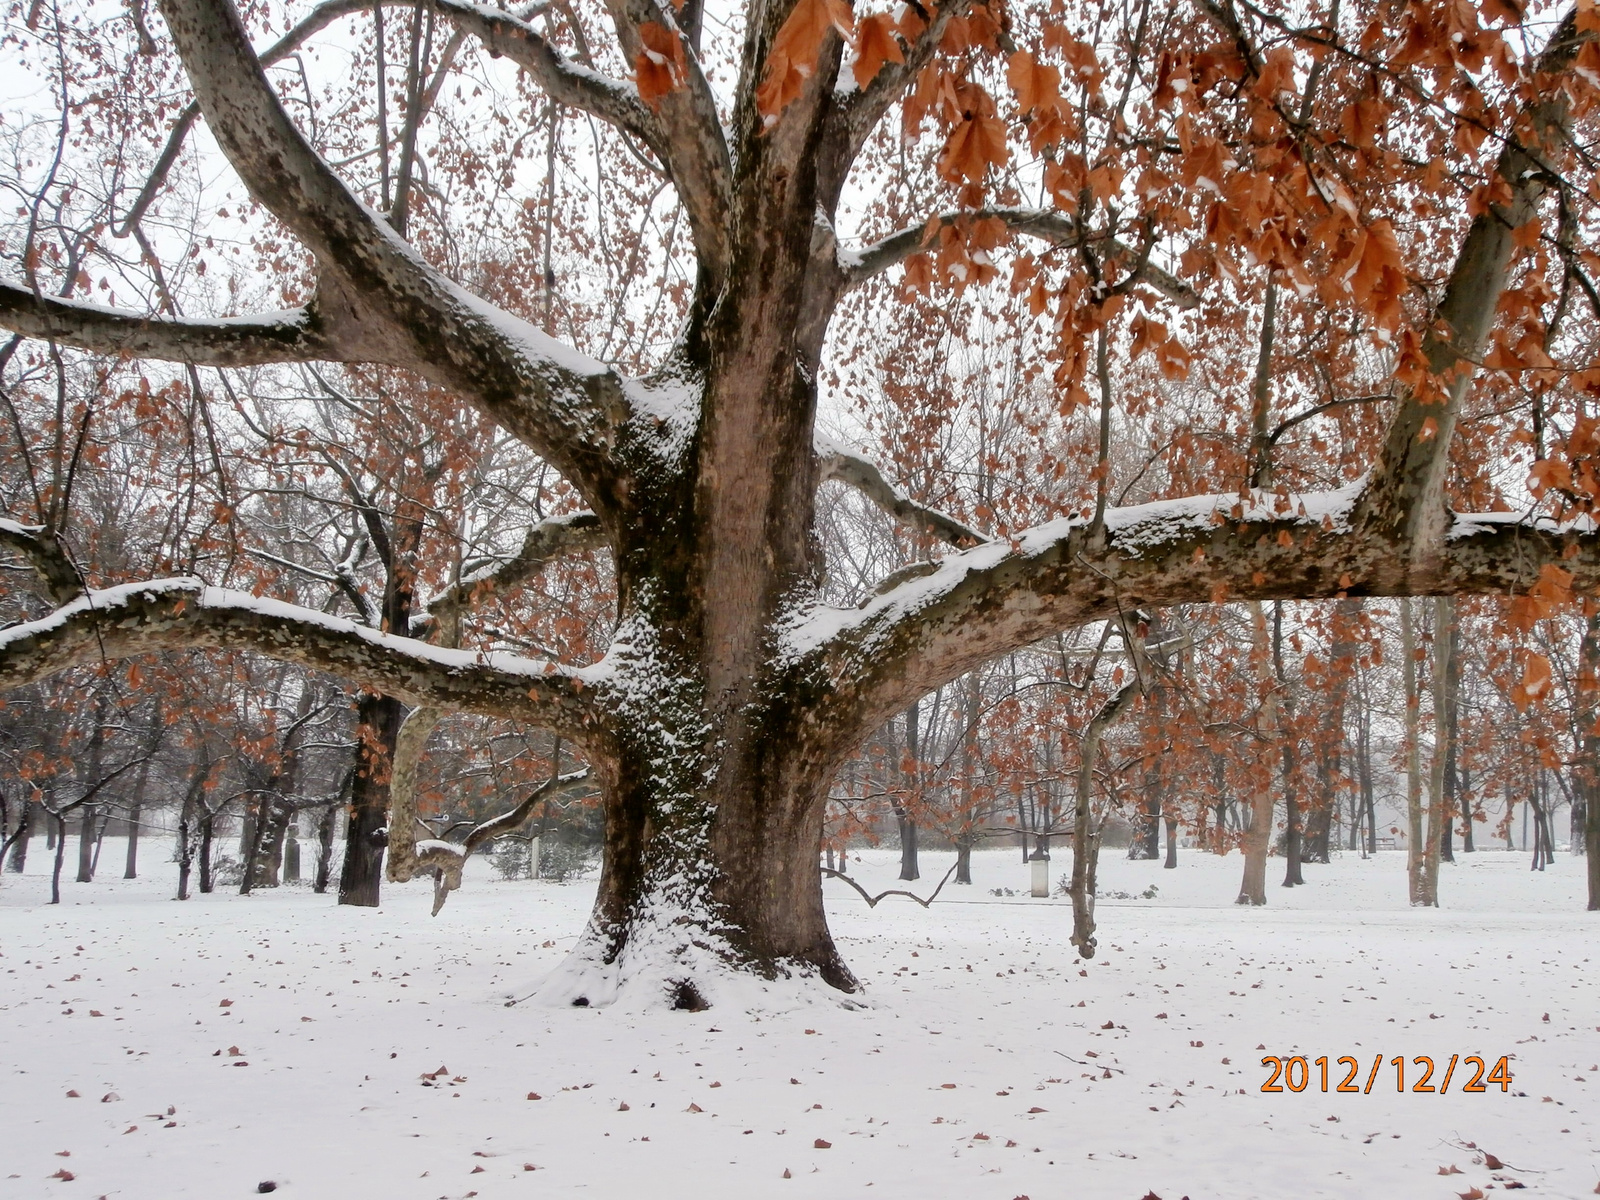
x=88, y=827
x=17, y=862
x=325, y=830
x=908, y=846
x=59, y=825
x=208, y=827
x=291, y=858
x=130, y=863
x=1146, y=842
x=1172, y=845
x=1292, y=848
x=379, y=718
x=904, y=813
x=963, y=862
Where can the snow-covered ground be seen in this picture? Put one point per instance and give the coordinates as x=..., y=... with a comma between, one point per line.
x=161, y=1050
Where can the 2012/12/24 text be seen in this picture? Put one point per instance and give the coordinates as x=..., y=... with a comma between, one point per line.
x=1298, y=1074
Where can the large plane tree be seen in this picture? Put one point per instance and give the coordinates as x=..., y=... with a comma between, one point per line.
x=1381, y=212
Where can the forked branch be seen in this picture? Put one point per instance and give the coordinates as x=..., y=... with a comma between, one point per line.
x=407, y=313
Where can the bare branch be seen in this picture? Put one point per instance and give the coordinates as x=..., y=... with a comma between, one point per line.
x=293, y=335
x=1045, y=224
x=872, y=901
x=562, y=79
x=185, y=614
x=848, y=467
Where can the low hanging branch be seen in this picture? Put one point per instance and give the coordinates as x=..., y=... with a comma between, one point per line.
x=872, y=901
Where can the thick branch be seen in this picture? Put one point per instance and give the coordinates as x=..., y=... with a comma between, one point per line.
x=1407, y=495
x=294, y=335
x=545, y=542
x=49, y=560
x=185, y=614
x=845, y=465
x=980, y=603
x=394, y=306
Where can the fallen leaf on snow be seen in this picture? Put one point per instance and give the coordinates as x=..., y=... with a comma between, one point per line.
x=822, y=1145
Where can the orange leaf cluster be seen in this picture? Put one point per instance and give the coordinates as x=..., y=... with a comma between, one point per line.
x=660, y=65
x=797, y=47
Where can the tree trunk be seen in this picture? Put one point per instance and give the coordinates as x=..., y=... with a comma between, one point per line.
x=192, y=799
x=1258, y=836
x=1592, y=848
x=17, y=862
x=1172, y=845
x=1422, y=843
x=379, y=720
x=325, y=830
x=1292, y=875
x=59, y=824
x=208, y=825
x=130, y=863
x=87, y=828
x=904, y=812
x=963, y=862
x=291, y=858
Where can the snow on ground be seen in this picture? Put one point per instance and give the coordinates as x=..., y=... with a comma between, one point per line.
x=228, y=1041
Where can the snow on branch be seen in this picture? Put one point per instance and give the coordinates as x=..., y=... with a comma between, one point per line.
x=1004, y=595
x=564, y=80
x=849, y=467
x=379, y=296
x=186, y=614
x=292, y=335
x=48, y=557
x=1044, y=224
x=550, y=539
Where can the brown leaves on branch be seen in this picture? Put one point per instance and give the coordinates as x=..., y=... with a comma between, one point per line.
x=875, y=45
x=796, y=49
x=660, y=65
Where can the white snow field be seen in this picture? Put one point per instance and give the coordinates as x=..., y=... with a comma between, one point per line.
x=155, y=1050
